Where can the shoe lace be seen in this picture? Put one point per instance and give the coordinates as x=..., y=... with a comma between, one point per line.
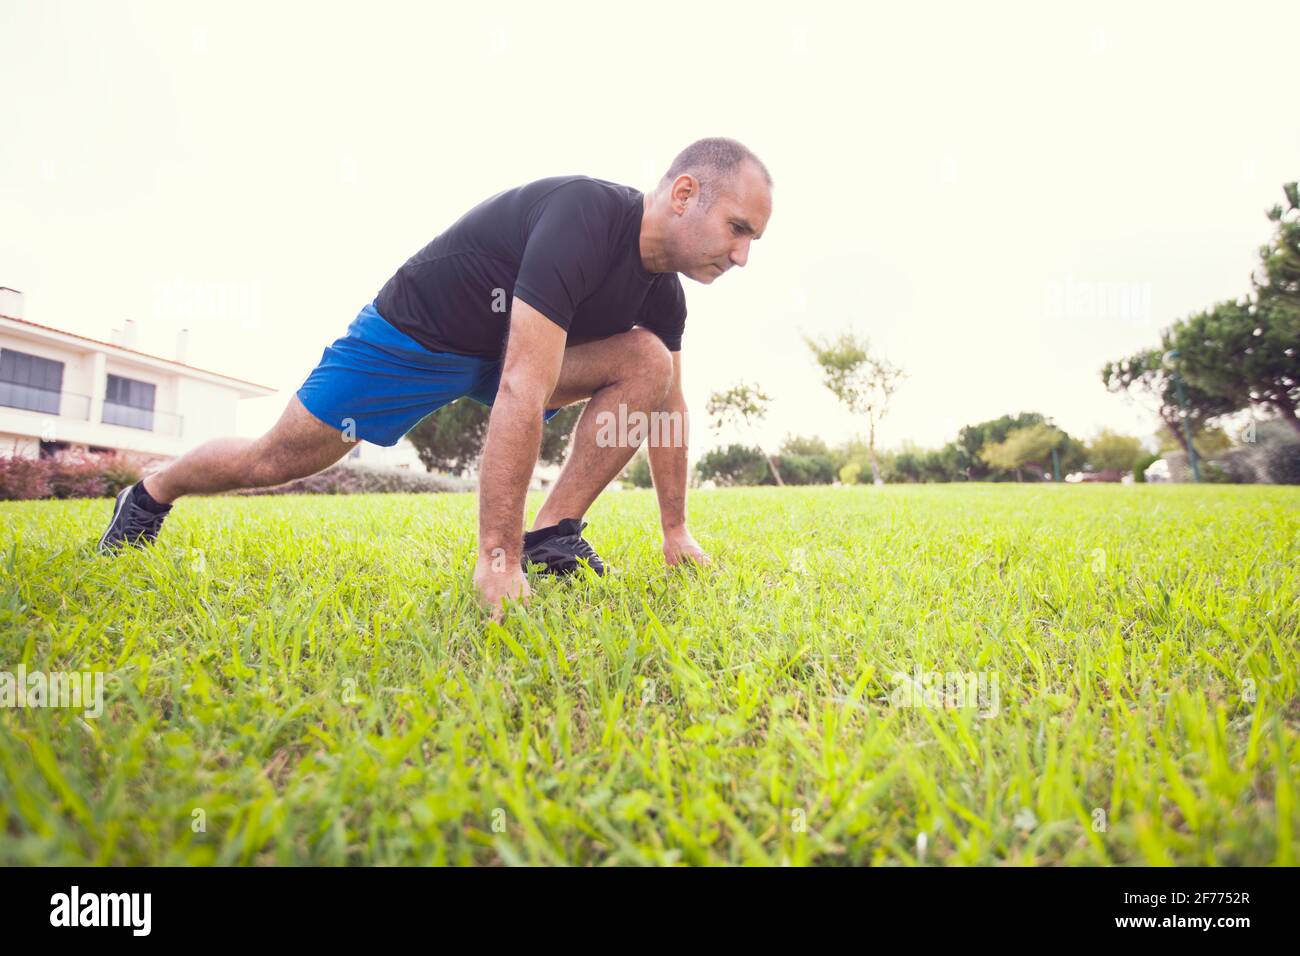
x=139, y=521
x=580, y=546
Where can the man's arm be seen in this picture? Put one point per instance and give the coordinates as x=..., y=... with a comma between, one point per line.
x=668, y=467
x=534, y=353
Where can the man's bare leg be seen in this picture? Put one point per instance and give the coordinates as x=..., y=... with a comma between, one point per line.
x=633, y=369
x=299, y=444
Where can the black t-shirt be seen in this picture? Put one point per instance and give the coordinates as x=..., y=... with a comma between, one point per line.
x=569, y=246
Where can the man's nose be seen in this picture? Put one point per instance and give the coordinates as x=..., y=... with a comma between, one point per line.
x=740, y=255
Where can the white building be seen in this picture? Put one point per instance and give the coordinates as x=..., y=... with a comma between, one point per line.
x=64, y=391
x=402, y=455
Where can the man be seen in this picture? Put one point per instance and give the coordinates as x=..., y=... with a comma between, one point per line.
x=547, y=294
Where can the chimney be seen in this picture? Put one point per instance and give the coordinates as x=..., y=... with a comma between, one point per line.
x=182, y=345
x=11, y=302
x=128, y=334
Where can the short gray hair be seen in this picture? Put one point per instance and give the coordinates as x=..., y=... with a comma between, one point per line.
x=713, y=162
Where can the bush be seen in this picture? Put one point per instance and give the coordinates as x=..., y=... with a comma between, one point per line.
x=806, y=469
x=1274, y=455
x=342, y=479
x=850, y=472
x=637, y=472
x=23, y=479
x=907, y=466
x=1214, y=473
x=735, y=465
x=67, y=476
x=77, y=477
x=120, y=471
x=1282, y=462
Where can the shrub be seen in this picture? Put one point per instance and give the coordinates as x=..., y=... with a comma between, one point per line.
x=23, y=479
x=637, y=472
x=806, y=469
x=343, y=479
x=1214, y=473
x=72, y=476
x=850, y=472
x=119, y=471
x=1282, y=462
x=735, y=465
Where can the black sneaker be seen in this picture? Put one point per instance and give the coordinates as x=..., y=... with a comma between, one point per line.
x=132, y=522
x=560, y=547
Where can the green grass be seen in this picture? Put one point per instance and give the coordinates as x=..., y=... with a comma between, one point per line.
x=311, y=675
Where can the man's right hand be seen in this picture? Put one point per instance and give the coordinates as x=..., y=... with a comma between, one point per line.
x=495, y=579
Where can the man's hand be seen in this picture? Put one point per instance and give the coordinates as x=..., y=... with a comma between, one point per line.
x=680, y=548
x=496, y=579
x=534, y=353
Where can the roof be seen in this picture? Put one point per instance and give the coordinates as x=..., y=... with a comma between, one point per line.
x=123, y=348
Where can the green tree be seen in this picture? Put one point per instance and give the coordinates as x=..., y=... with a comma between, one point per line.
x=451, y=439
x=853, y=451
x=1024, y=447
x=1147, y=376
x=1247, y=351
x=861, y=379
x=1278, y=275
x=972, y=439
x=949, y=463
x=804, y=445
x=1111, y=451
x=743, y=405
x=1211, y=441
x=1243, y=352
x=557, y=432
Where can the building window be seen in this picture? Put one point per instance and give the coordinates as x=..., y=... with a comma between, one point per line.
x=52, y=449
x=129, y=403
x=30, y=382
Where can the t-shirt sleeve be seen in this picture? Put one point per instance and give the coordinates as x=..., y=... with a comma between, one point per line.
x=664, y=313
x=567, y=250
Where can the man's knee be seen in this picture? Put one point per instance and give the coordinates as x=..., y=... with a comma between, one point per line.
x=650, y=359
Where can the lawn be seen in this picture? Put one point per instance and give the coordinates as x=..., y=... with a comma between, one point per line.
x=306, y=679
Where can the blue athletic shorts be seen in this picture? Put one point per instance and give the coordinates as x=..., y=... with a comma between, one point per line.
x=381, y=382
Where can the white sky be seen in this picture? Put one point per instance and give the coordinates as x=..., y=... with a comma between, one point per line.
x=1003, y=197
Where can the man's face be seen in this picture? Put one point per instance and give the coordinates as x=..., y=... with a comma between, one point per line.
x=711, y=241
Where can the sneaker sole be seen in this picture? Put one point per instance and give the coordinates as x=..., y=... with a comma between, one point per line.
x=117, y=510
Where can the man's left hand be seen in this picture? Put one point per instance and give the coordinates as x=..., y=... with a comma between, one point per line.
x=680, y=548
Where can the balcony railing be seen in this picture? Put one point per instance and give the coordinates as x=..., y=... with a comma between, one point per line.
x=146, y=419
x=71, y=405
x=63, y=404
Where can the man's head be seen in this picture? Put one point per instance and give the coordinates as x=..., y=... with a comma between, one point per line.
x=714, y=200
